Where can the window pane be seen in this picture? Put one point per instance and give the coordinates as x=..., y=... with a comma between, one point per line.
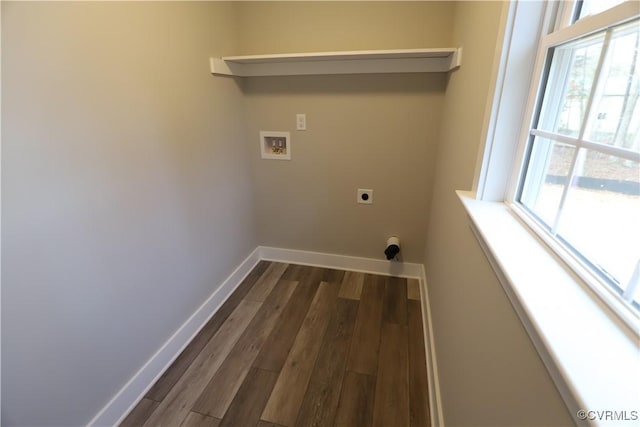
x=571, y=77
x=546, y=175
x=592, y=7
x=601, y=215
x=617, y=104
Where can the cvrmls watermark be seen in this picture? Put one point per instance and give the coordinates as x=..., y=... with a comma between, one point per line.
x=608, y=415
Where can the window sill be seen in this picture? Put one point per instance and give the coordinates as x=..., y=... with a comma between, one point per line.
x=592, y=357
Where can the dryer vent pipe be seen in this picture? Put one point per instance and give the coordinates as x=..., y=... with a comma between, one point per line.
x=393, y=247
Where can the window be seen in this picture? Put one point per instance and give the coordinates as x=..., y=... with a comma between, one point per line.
x=580, y=176
x=593, y=7
x=547, y=232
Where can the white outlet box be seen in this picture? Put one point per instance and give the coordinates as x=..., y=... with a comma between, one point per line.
x=301, y=121
x=365, y=196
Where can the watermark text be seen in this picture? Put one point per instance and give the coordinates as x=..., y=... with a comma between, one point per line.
x=608, y=415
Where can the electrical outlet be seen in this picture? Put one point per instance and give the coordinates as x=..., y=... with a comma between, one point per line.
x=365, y=196
x=301, y=121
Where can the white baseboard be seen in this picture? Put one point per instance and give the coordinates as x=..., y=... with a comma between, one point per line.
x=135, y=389
x=435, y=402
x=342, y=262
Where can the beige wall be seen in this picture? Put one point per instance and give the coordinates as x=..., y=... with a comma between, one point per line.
x=364, y=131
x=131, y=177
x=126, y=193
x=490, y=373
x=307, y=26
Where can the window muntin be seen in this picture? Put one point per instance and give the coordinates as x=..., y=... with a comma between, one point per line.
x=616, y=102
x=581, y=179
x=549, y=166
x=570, y=78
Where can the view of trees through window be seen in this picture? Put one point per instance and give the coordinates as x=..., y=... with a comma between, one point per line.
x=582, y=179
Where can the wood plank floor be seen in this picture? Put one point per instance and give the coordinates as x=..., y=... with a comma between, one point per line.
x=300, y=346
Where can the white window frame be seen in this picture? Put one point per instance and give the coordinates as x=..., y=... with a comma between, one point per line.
x=564, y=33
x=589, y=348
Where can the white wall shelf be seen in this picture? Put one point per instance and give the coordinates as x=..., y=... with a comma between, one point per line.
x=353, y=62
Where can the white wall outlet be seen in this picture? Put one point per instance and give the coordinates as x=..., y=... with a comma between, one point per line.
x=365, y=196
x=301, y=121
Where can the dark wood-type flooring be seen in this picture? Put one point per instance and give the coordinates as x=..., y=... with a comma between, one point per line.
x=300, y=346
